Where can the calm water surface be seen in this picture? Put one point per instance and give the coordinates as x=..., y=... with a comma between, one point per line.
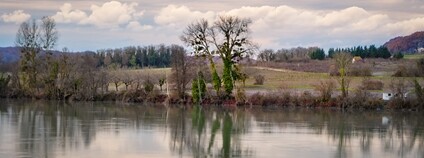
x=108, y=130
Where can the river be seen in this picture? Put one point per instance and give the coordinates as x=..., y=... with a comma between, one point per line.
x=112, y=130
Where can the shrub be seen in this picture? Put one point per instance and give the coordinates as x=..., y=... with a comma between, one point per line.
x=256, y=99
x=360, y=71
x=259, y=79
x=398, y=56
x=4, y=82
x=420, y=66
x=148, y=86
x=401, y=71
x=325, y=89
x=368, y=84
x=416, y=70
x=419, y=92
x=241, y=96
x=306, y=99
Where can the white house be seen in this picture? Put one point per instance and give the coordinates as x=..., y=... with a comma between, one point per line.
x=387, y=96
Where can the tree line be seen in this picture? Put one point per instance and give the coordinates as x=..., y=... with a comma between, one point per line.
x=288, y=55
x=135, y=57
x=316, y=53
x=363, y=51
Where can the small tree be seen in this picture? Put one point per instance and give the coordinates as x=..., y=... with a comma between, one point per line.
x=148, y=86
x=342, y=62
x=198, y=88
x=4, y=81
x=161, y=82
x=419, y=92
x=259, y=79
x=420, y=66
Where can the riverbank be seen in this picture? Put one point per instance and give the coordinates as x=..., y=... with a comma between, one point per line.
x=274, y=99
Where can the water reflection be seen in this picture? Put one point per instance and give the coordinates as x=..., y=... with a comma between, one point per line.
x=52, y=129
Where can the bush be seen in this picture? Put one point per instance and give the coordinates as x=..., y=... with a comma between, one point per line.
x=398, y=56
x=360, y=71
x=241, y=96
x=325, y=89
x=148, y=86
x=277, y=98
x=420, y=66
x=306, y=99
x=416, y=70
x=4, y=82
x=368, y=84
x=361, y=100
x=259, y=79
x=257, y=99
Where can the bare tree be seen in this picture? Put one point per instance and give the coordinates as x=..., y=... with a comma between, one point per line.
x=26, y=39
x=126, y=78
x=115, y=78
x=33, y=38
x=179, y=69
x=228, y=37
x=343, y=61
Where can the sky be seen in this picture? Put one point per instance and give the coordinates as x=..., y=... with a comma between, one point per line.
x=99, y=24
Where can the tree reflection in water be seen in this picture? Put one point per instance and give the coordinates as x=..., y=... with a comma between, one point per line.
x=51, y=129
x=200, y=138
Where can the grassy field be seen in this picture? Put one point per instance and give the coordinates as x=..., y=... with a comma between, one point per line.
x=295, y=80
x=151, y=71
x=414, y=56
x=278, y=78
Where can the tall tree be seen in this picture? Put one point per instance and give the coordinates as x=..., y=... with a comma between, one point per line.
x=179, y=69
x=343, y=61
x=33, y=38
x=49, y=38
x=227, y=37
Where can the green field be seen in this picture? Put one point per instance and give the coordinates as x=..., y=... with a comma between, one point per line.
x=414, y=56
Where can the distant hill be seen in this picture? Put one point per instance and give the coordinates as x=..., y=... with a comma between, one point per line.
x=12, y=54
x=410, y=44
x=9, y=54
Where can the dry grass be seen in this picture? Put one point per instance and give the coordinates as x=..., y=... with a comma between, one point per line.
x=276, y=78
x=151, y=71
x=414, y=56
x=295, y=80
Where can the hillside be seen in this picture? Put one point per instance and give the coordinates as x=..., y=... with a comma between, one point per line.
x=9, y=54
x=407, y=44
x=12, y=54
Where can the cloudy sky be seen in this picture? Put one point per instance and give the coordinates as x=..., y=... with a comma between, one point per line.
x=96, y=24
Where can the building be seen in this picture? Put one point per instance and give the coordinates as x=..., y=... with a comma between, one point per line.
x=356, y=59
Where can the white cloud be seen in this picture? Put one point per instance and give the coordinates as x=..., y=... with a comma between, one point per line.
x=180, y=16
x=111, y=14
x=289, y=26
x=136, y=26
x=17, y=17
x=67, y=15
